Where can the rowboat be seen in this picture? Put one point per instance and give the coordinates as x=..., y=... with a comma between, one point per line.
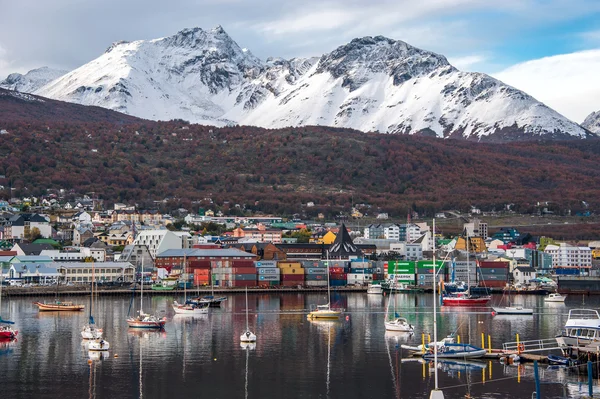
x=58, y=306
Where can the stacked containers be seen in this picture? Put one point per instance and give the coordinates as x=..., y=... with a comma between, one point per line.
x=360, y=272
x=200, y=270
x=222, y=273
x=402, y=271
x=379, y=269
x=292, y=273
x=493, y=274
x=244, y=273
x=267, y=273
x=338, y=273
x=315, y=276
x=425, y=276
x=463, y=271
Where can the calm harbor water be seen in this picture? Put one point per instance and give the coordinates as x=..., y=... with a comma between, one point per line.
x=201, y=356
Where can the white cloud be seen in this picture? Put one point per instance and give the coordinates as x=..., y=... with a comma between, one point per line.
x=466, y=63
x=567, y=83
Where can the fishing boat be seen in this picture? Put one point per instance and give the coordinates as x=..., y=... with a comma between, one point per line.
x=90, y=331
x=582, y=328
x=465, y=298
x=166, y=284
x=247, y=336
x=555, y=297
x=396, y=323
x=452, y=351
x=514, y=310
x=188, y=307
x=375, y=289
x=325, y=311
x=6, y=331
x=58, y=306
x=144, y=320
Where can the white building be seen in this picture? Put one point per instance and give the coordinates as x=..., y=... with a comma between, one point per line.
x=569, y=255
x=159, y=241
x=523, y=275
x=476, y=228
x=78, y=255
x=81, y=272
x=412, y=251
x=19, y=226
x=392, y=232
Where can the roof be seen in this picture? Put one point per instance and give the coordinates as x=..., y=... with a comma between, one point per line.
x=343, y=246
x=33, y=268
x=524, y=269
x=19, y=220
x=46, y=241
x=34, y=249
x=33, y=258
x=227, y=252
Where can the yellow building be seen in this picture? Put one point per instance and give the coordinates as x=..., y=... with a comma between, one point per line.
x=476, y=244
x=327, y=238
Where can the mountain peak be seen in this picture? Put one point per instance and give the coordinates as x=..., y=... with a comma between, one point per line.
x=592, y=122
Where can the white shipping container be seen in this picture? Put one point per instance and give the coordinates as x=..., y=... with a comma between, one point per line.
x=268, y=270
x=316, y=283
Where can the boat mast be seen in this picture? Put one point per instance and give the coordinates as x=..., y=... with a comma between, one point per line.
x=468, y=267
x=436, y=393
x=328, y=288
x=142, y=288
x=185, y=279
x=247, y=324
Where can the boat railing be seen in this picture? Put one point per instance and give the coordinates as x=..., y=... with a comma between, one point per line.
x=535, y=345
x=585, y=314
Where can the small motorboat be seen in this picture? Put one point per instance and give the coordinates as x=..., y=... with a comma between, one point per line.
x=559, y=360
x=376, y=289
x=399, y=324
x=6, y=332
x=144, y=320
x=516, y=310
x=555, y=297
x=420, y=349
x=449, y=351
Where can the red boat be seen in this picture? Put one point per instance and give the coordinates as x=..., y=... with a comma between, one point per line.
x=7, y=333
x=464, y=299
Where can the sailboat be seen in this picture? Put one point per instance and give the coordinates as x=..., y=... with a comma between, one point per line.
x=58, y=305
x=465, y=298
x=247, y=336
x=325, y=311
x=516, y=310
x=143, y=320
x=212, y=300
x=396, y=323
x=188, y=307
x=6, y=331
x=90, y=331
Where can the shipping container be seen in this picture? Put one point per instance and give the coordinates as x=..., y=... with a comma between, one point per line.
x=428, y=265
x=265, y=263
x=268, y=277
x=359, y=264
x=337, y=283
x=403, y=278
x=268, y=270
x=315, y=277
x=493, y=284
x=338, y=276
x=298, y=270
x=244, y=277
x=202, y=272
x=292, y=277
x=337, y=270
x=358, y=270
x=201, y=280
x=243, y=283
x=354, y=278
x=321, y=283
x=295, y=265
x=486, y=264
x=316, y=271
x=310, y=263
x=244, y=270
x=242, y=263
x=394, y=266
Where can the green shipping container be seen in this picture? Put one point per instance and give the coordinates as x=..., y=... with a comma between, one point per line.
x=401, y=267
x=428, y=264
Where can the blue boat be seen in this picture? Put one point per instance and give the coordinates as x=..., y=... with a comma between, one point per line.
x=559, y=360
x=453, y=351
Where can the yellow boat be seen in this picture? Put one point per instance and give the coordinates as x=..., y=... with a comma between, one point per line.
x=58, y=306
x=324, y=312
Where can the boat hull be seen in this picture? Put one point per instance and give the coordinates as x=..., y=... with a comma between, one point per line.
x=516, y=310
x=157, y=325
x=98, y=345
x=9, y=334
x=53, y=307
x=400, y=325
x=555, y=298
x=324, y=314
x=248, y=337
x=189, y=309
x=465, y=301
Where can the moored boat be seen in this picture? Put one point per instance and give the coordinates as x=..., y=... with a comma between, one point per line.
x=516, y=310
x=58, y=306
x=375, y=289
x=582, y=328
x=247, y=336
x=464, y=299
x=144, y=320
x=98, y=345
x=190, y=308
x=6, y=332
x=422, y=349
x=463, y=351
x=555, y=297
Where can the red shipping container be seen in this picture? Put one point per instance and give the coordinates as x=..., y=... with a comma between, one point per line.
x=292, y=277
x=201, y=280
x=492, y=283
x=336, y=270
x=486, y=264
x=202, y=271
x=242, y=263
x=244, y=270
x=338, y=276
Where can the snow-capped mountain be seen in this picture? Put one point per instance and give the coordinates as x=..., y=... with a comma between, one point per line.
x=370, y=84
x=32, y=80
x=592, y=122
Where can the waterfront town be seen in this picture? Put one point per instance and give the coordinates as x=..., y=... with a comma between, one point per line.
x=44, y=243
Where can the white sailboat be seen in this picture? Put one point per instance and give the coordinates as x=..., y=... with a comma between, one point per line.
x=510, y=309
x=90, y=330
x=6, y=331
x=325, y=311
x=188, y=307
x=396, y=323
x=143, y=320
x=247, y=336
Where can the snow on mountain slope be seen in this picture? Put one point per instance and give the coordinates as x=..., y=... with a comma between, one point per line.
x=370, y=84
x=592, y=122
x=32, y=80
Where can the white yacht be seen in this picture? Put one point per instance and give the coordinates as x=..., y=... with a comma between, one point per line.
x=375, y=289
x=582, y=328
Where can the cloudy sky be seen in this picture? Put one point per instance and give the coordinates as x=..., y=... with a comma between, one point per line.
x=549, y=48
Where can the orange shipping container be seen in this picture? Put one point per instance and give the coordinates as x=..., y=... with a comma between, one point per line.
x=297, y=270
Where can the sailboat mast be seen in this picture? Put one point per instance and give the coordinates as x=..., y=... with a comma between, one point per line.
x=247, y=323
x=185, y=279
x=435, y=346
x=468, y=267
x=328, y=287
x=142, y=288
